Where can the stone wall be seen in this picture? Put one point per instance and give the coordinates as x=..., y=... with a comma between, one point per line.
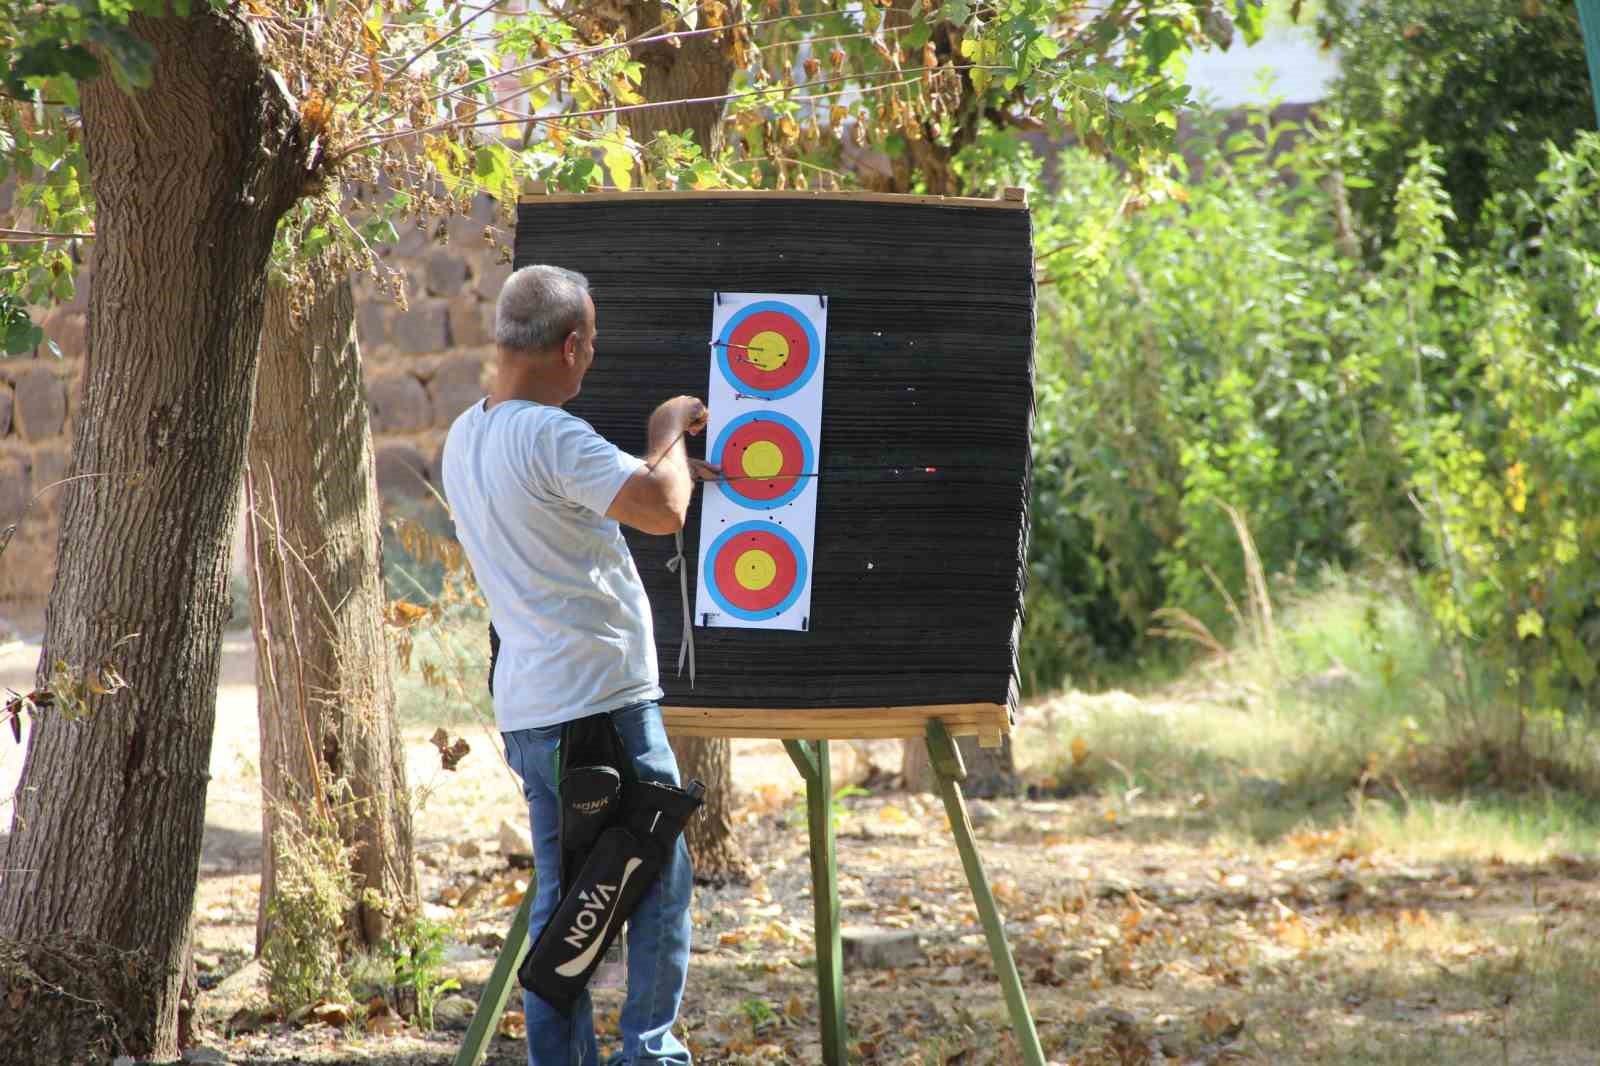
x=424, y=365
x=429, y=362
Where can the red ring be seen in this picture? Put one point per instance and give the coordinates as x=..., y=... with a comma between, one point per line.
x=762, y=488
x=761, y=322
x=755, y=599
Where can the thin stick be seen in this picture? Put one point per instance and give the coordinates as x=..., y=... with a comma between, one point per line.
x=299, y=653
x=648, y=37
x=454, y=124
x=441, y=40
x=28, y=236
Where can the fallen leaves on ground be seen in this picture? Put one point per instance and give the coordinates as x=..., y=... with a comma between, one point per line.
x=1133, y=948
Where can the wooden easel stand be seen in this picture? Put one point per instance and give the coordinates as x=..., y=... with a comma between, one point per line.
x=811, y=759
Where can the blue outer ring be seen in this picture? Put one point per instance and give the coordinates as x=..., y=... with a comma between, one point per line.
x=710, y=569
x=806, y=459
x=778, y=307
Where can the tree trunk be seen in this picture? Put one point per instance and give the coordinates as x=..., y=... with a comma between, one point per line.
x=990, y=771
x=717, y=855
x=694, y=67
x=190, y=178
x=325, y=692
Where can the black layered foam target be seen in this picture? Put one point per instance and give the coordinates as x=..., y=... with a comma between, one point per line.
x=918, y=567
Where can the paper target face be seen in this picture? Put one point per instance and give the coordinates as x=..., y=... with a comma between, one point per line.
x=758, y=522
x=755, y=570
x=768, y=349
x=766, y=458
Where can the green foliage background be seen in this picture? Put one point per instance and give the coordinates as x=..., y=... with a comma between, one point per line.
x=1489, y=82
x=1432, y=406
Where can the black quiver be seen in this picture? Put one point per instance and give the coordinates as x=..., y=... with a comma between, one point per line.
x=617, y=832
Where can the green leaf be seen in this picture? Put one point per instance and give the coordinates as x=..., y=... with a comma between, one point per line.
x=956, y=11
x=46, y=59
x=1159, y=42
x=132, y=58
x=492, y=166
x=22, y=336
x=1251, y=18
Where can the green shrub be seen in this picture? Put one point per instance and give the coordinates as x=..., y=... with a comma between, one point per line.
x=1219, y=353
x=1197, y=370
x=314, y=889
x=1488, y=82
x=1504, y=452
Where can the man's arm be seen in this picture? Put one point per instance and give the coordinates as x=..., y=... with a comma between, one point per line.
x=656, y=498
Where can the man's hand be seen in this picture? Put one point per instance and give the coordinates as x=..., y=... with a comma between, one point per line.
x=656, y=499
x=688, y=414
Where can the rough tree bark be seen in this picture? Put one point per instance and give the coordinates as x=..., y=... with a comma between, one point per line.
x=326, y=695
x=699, y=66
x=694, y=67
x=190, y=177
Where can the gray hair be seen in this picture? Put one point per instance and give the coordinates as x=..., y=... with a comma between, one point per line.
x=538, y=307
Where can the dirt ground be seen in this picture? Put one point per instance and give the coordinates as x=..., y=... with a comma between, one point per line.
x=1139, y=939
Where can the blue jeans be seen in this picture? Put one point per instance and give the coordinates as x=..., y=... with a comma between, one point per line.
x=658, y=931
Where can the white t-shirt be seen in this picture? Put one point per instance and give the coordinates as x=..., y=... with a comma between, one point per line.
x=529, y=486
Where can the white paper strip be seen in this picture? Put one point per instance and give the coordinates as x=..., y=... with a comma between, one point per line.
x=758, y=525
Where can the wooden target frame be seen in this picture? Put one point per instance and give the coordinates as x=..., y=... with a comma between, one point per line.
x=974, y=518
x=919, y=563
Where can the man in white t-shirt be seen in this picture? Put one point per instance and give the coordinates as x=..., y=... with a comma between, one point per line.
x=537, y=496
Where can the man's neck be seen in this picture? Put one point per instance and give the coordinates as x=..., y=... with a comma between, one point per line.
x=517, y=378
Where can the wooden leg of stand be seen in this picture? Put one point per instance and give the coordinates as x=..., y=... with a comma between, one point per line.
x=502, y=979
x=811, y=758
x=950, y=771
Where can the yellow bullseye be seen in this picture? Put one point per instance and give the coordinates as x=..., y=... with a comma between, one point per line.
x=755, y=570
x=763, y=459
x=768, y=350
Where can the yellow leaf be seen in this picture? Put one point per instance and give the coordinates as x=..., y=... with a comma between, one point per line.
x=1530, y=624
x=404, y=615
x=1080, y=751
x=1219, y=1024
x=619, y=164
x=1291, y=932
x=624, y=91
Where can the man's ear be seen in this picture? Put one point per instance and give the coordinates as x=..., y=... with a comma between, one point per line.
x=569, y=348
